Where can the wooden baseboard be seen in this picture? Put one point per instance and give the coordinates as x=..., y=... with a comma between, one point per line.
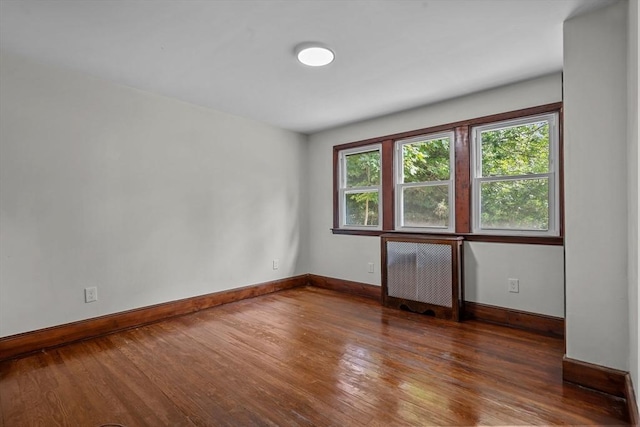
x=346, y=286
x=612, y=381
x=29, y=342
x=606, y=380
x=535, y=322
x=514, y=318
x=632, y=403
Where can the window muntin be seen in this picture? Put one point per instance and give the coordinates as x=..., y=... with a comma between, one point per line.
x=424, y=183
x=360, y=187
x=515, y=184
x=547, y=229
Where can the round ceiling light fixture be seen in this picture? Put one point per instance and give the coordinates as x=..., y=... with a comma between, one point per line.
x=314, y=54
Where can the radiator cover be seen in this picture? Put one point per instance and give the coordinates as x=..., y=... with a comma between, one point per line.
x=423, y=274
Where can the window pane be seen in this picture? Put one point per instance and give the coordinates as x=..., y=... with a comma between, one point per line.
x=516, y=150
x=361, y=208
x=426, y=206
x=521, y=204
x=426, y=161
x=363, y=169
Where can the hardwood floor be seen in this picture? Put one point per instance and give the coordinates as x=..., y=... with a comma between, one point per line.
x=303, y=356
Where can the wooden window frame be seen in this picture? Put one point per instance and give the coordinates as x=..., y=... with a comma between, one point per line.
x=477, y=176
x=399, y=183
x=462, y=182
x=343, y=189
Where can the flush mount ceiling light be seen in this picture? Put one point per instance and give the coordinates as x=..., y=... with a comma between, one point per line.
x=314, y=54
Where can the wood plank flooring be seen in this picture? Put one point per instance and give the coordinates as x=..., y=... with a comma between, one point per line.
x=302, y=357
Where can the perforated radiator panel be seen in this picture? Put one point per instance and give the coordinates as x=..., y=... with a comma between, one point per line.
x=420, y=272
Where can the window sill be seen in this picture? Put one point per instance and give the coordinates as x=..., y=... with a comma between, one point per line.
x=529, y=240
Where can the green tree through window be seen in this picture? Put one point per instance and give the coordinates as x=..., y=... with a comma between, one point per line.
x=424, y=183
x=361, y=195
x=497, y=175
x=515, y=176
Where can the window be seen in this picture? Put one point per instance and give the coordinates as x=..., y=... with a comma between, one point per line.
x=424, y=190
x=495, y=178
x=360, y=180
x=515, y=183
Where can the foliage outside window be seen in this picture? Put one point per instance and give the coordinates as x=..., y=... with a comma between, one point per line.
x=424, y=182
x=515, y=184
x=495, y=178
x=360, y=187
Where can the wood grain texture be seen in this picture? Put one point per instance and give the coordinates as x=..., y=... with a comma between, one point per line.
x=515, y=318
x=20, y=344
x=454, y=244
x=336, y=188
x=346, y=286
x=462, y=180
x=597, y=377
x=462, y=147
x=388, y=188
x=305, y=357
x=530, y=111
x=632, y=403
x=526, y=240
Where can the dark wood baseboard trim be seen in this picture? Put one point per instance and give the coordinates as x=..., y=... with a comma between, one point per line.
x=29, y=342
x=346, y=286
x=518, y=319
x=606, y=380
x=611, y=381
x=632, y=403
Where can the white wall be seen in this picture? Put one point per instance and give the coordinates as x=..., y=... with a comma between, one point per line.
x=346, y=257
x=487, y=266
x=595, y=102
x=147, y=198
x=632, y=193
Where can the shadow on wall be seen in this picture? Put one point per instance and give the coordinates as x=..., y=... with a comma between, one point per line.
x=470, y=266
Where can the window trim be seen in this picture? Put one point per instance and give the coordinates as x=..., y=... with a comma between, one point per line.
x=344, y=190
x=554, y=186
x=463, y=220
x=399, y=184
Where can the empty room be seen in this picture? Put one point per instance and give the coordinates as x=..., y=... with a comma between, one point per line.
x=318, y=213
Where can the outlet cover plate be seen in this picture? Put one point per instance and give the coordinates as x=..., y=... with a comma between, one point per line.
x=91, y=294
x=514, y=285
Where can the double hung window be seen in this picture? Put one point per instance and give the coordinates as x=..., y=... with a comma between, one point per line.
x=495, y=178
x=360, y=187
x=515, y=183
x=424, y=188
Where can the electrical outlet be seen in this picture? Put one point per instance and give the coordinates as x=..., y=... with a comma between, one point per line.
x=91, y=294
x=514, y=285
x=276, y=264
x=371, y=268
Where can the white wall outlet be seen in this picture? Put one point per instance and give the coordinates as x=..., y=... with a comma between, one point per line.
x=276, y=264
x=514, y=285
x=370, y=267
x=91, y=294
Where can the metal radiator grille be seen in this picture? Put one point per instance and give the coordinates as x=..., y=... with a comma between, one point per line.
x=419, y=272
